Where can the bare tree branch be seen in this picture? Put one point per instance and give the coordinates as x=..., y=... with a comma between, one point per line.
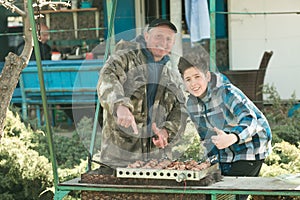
x=52, y=5
x=10, y=6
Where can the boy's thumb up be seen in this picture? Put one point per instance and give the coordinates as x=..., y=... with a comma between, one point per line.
x=218, y=131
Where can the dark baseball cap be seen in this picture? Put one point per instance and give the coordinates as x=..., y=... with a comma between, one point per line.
x=160, y=22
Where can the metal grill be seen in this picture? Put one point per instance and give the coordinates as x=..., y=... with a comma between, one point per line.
x=178, y=175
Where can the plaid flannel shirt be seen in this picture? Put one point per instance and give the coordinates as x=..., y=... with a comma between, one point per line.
x=229, y=109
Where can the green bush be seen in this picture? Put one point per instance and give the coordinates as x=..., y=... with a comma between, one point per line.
x=284, y=128
x=24, y=173
x=25, y=167
x=284, y=159
x=190, y=146
x=69, y=150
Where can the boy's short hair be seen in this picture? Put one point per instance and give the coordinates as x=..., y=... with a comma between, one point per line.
x=195, y=57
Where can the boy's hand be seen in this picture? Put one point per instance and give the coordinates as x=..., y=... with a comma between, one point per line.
x=223, y=140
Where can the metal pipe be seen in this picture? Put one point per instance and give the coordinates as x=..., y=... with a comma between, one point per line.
x=259, y=13
x=163, y=9
x=170, y=190
x=56, y=31
x=110, y=31
x=43, y=91
x=212, y=52
x=23, y=96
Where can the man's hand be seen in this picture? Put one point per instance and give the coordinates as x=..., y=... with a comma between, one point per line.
x=223, y=140
x=125, y=118
x=162, y=136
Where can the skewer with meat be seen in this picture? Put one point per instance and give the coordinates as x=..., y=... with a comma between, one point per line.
x=203, y=165
x=189, y=165
x=137, y=164
x=151, y=164
x=177, y=165
x=163, y=164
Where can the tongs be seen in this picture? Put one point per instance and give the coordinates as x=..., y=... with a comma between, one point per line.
x=164, y=155
x=109, y=168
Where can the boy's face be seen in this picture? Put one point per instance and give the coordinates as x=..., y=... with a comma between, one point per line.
x=196, y=81
x=160, y=41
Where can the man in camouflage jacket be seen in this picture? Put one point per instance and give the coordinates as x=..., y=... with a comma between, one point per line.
x=139, y=90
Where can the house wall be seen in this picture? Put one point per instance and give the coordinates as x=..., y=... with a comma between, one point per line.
x=250, y=35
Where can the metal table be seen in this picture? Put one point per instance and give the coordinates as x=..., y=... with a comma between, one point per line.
x=228, y=185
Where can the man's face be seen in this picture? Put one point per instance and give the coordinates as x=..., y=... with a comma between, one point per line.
x=44, y=34
x=160, y=41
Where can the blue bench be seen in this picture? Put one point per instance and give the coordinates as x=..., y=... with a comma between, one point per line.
x=66, y=82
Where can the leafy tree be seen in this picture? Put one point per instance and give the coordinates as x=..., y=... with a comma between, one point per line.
x=284, y=127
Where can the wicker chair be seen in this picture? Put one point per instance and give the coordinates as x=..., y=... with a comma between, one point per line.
x=251, y=81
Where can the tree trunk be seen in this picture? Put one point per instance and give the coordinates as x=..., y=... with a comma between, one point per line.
x=14, y=65
x=8, y=81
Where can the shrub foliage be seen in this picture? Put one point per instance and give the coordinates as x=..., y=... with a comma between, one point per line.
x=24, y=173
x=25, y=166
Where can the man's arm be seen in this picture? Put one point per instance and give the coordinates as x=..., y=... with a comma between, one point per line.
x=110, y=85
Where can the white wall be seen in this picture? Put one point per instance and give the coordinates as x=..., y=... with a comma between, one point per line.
x=250, y=35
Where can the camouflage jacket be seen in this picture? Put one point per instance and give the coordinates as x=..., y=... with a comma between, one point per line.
x=123, y=80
